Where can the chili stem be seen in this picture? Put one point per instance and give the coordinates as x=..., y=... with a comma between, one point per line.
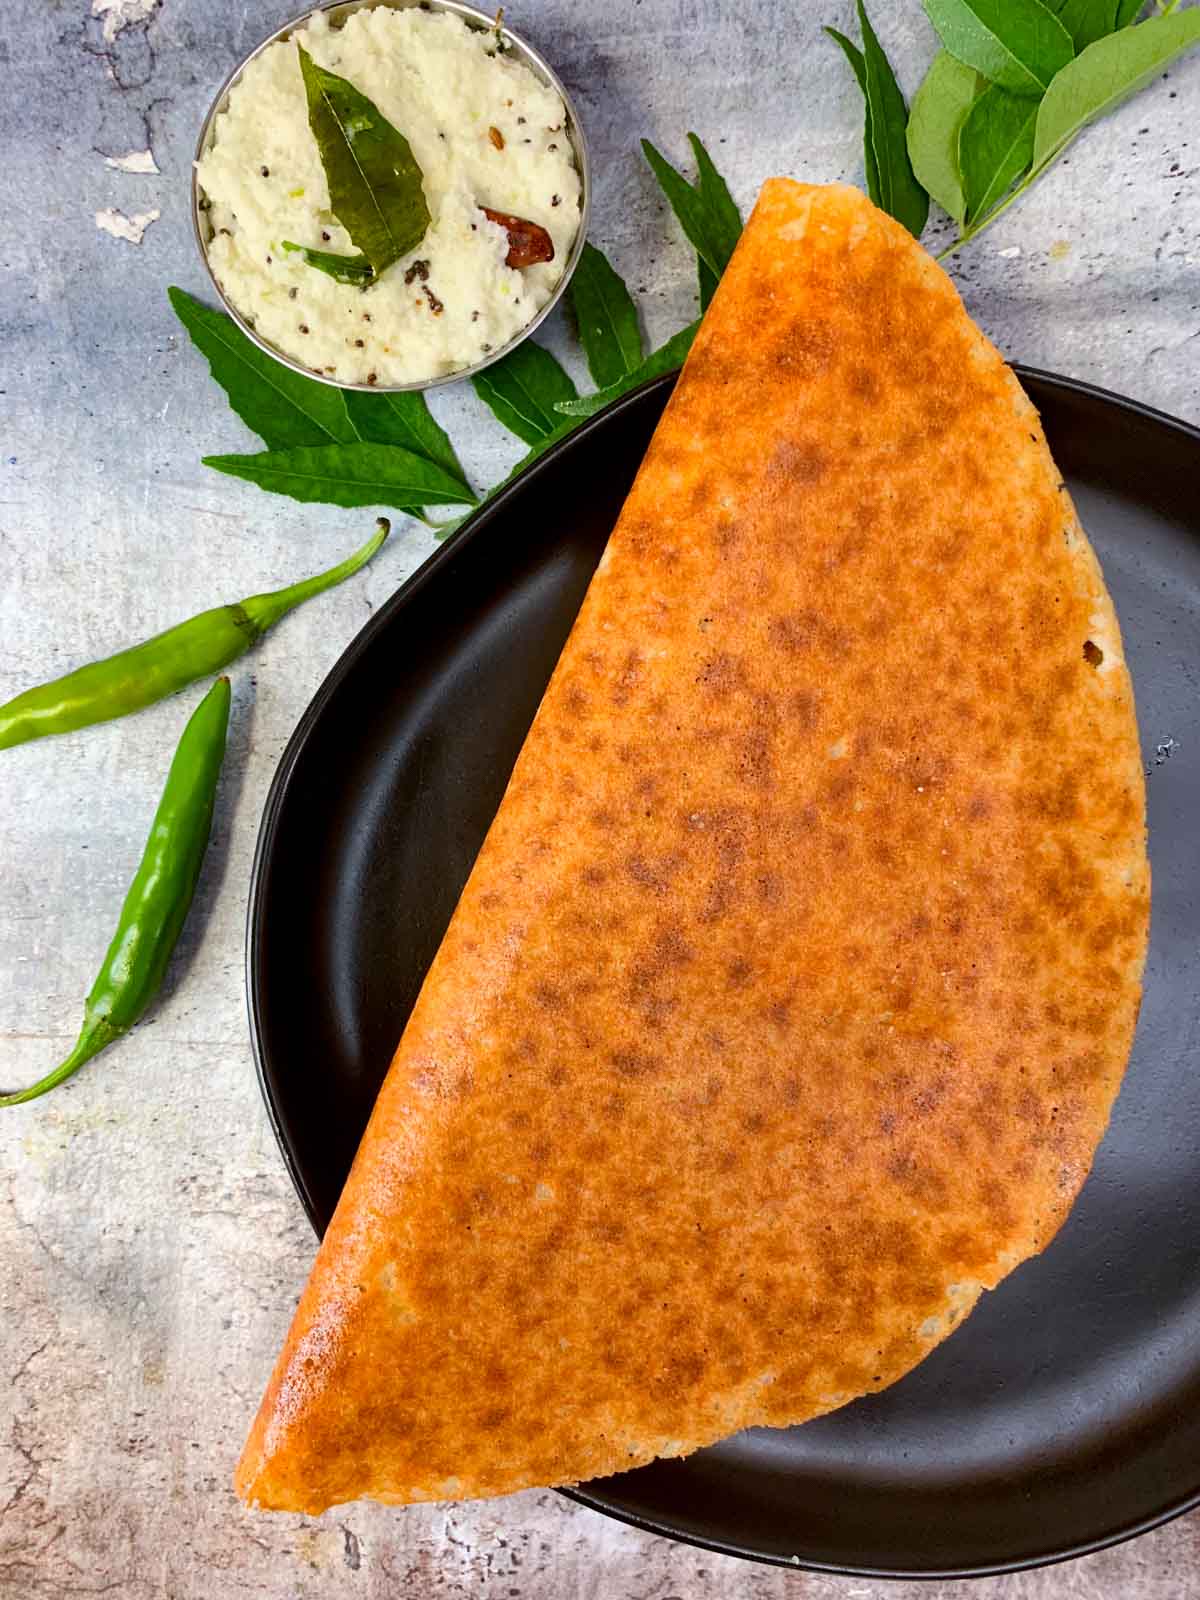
x=93, y=1037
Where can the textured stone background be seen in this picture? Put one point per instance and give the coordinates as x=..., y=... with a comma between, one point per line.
x=151, y=1247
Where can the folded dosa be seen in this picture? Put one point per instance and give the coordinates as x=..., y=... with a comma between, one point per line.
x=787, y=1001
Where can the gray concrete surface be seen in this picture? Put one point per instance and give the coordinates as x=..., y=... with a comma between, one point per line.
x=151, y=1247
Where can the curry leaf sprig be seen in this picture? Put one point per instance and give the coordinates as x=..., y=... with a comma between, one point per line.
x=341, y=446
x=1014, y=83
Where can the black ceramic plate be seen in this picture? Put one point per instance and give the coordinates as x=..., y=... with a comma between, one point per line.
x=1065, y=1414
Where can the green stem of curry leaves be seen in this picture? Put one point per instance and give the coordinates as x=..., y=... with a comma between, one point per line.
x=977, y=228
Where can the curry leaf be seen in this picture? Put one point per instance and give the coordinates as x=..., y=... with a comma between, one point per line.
x=346, y=269
x=939, y=106
x=404, y=419
x=606, y=317
x=281, y=406
x=901, y=196
x=706, y=211
x=723, y=220
x=524, y=389
x=375, y=185
x=1108, y=72
x=665, y=359
x=356, y=474
x=995, y=146
x=1018, y=44
x=855, y=57
x=1085, y=20
x=714, y=191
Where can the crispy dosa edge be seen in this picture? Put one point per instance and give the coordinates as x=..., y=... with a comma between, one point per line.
x=787, y=1001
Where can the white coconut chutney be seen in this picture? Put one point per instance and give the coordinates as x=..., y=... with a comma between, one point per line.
x=485, y=132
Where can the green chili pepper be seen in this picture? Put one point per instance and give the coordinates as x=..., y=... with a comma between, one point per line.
x=163, y=665
x=158, y=897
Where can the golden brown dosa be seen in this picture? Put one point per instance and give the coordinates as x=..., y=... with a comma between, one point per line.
x=788, y=998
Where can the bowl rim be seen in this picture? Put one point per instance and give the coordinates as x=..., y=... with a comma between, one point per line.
x=523, y=52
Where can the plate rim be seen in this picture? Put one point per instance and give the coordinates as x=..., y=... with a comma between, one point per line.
x=468, y=530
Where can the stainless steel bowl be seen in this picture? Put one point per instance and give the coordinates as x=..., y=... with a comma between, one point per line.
x=337, y=13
